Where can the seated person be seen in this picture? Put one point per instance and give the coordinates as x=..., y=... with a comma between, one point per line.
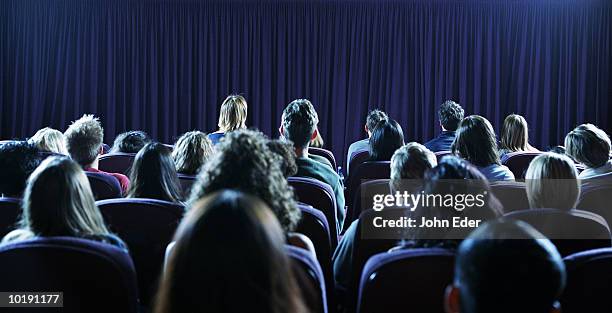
x=247, y=271
x=386, y=138
x=233, y=116
x=18, y=159
x=410, y=163
x=191, y=151
x=450, y=115
x=50, y=140
x=58, y=202
x=130, y=142
x=153, y=175
x=84, y=141
x=374, y=117
x=285, y=152
x=551, y=182
x=489, y=276
x=515, y=135
x=299, y=125
x=476, y=143
x=590, y=146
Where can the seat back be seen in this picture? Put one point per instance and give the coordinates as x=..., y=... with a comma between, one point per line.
x=324, y=153
x=365, y=171
x=103, y=186
x=406, y=280
x=10, y=209
x=595, y=196
x=441, y=154
x=364, y=194
x=571, y=231
x=319, y=195
x=308, y=273
x=187, y=182
x=117, y=162
x=518, y=162
x=589, y=281
x=82, y=269
x=147, y=227
x=512, y=195
x=358, y=158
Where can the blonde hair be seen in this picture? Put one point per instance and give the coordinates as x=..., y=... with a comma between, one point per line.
x=50, y=140
x=588, y=145
x=191, y=151
x=411, y=161
x=552, y=182
x=233, y=113
x=58, y=201
x=84, y=139
x=515, y=134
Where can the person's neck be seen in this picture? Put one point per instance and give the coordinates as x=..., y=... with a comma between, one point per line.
x=301, y=152
x=93, y=165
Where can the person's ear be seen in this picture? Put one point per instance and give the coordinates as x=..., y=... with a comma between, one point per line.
x=314, y=134
x=451, y=299
x=556, y=307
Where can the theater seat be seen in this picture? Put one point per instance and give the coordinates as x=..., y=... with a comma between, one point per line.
x=94, y=277
x=518, y=162
x=104, y=186
x=595, y=196
x=187, y=182
x=412, y=280
x=324, y=153
x=10, y=209
x=365, y=171
x=511, y=194
x=147, y=226
x=358, y=158
x=117, y=162
x=441, y=154
x=571, y=231
x=320, y=196
x=362, y=198
x=589, y=282
x=309, y=274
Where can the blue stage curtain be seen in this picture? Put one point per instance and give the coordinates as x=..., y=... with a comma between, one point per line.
x=165, y=66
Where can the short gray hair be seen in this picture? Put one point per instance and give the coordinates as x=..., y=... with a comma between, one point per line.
x=300, y=121
x=84, y=138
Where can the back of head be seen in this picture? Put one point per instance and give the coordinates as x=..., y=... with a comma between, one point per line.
x=233, y=113
x=58, y=201
x=229, y=257
x=244, y=162
x=84, y=138
x=552, y=182
x=450, y=114
x=515, y=133
x=507, y=266
x=286, y=156
x=588, y=145
x=18, y=159
x=386, y=138
x=374, y=117
x=411, y=162
x=130, y=142
x=153, y=174
x=475, y=141
x=50, y=140
x=299, y=122
x=191, y=151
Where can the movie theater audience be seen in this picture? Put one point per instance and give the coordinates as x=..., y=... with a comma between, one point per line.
x=374, y=117
x=386, y=138
x=506, y=267
x=153, y=175
x=191, y=151
x=49, y=140
x=84, y=141
x=299, y=125
x=58, y=202
x=515, y=135
x=130, y=142
x=590, y=146
x=476, y=143
x=233, y=116
x=551, y=181
x=450, y=115
x=18, y=159
x=247, y=271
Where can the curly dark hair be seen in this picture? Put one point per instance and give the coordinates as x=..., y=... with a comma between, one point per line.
x=130, y=141
x=18, y=159
x=244, y=162
x=450, y=115
x=286, y=152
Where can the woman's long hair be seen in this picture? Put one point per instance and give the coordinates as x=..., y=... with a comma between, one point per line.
x=386, y=138
x=515, y=134
x=58, y=201
x=190, y=152
x=476, y=141
x=229, y=257
x=233, y=113
x=153, y=175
